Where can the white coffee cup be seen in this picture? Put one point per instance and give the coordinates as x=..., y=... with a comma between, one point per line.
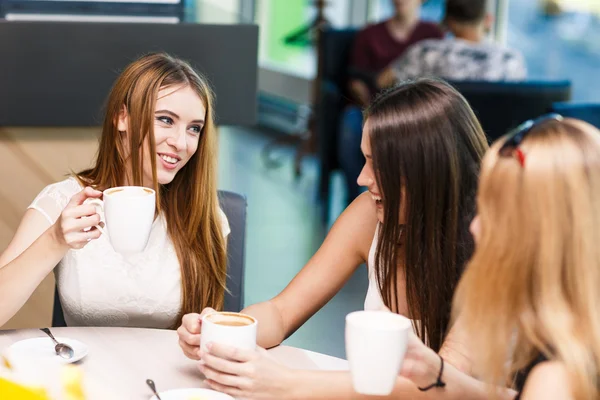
x=233, y=329
x=128, y=216
x=376, y=342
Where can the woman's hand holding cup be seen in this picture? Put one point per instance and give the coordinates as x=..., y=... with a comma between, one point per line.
x=76, y=225
x=189, y=333
x=421, y=364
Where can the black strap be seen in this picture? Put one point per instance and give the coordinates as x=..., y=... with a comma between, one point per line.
x=439, y=382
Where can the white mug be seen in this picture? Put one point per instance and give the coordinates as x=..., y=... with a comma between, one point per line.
x=233, y=329
x=128, y=216
x=376, y=342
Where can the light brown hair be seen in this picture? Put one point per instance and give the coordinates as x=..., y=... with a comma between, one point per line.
x=189, y=203
x=532, y=286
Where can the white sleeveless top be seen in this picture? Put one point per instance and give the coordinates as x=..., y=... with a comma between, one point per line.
x=99, y=287
x=374, y=301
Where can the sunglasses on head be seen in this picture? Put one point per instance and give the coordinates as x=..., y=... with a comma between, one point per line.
x=511, y=146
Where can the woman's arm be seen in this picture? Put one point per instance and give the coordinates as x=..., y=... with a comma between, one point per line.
x=344, y=249
x=254, y=375
x=338, y=385
x=360, y=92
x=346, y=246
x=22, y=272
x=38, y=247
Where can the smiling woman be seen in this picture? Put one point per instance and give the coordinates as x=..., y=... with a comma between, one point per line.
x=176, y=134
x=159, y=133
x=167, y=119
x=423, y=145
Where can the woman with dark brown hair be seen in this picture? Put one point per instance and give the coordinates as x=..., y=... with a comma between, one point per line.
x=423, y=146
x=159, y=133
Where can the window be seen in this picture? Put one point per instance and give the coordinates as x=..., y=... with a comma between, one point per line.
x=379, y=10
x=217, y=11
x=279, y=20
x=152, y=11
x=560, y=39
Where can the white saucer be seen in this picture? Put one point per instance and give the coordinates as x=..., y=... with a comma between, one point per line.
x=42, y=348
x=192, y=394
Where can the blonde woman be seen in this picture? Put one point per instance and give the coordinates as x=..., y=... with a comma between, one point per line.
x=158, y=132
x=531, y=291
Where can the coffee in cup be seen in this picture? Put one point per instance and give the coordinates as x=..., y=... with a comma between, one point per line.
x=233, y=329
x=230, y=319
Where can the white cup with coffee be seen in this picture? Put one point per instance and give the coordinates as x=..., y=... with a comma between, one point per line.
x=128, y=216
x=229, y=328
x=376, y=343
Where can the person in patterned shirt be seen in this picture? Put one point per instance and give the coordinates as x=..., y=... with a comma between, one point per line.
x=464, y=55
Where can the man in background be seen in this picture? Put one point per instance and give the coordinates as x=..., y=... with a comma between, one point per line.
x=464, y=55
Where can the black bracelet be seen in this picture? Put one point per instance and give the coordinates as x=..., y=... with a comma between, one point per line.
x=439, y=383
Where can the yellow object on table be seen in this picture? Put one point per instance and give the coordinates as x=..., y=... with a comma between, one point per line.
x=15, y=384
x=72, y=381
x=12, y=391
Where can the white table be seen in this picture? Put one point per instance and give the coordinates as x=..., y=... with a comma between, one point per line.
x=121, y=359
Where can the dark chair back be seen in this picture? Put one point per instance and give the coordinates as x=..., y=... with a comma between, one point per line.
x=588, y=112
x=336, y=46
x=58, y=317
x=501, y=106
x=234, y=206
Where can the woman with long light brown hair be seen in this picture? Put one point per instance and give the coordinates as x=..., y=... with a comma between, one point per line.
x=530, y=294
x=159, y=133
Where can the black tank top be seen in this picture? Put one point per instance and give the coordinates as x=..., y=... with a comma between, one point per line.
x=522, y=376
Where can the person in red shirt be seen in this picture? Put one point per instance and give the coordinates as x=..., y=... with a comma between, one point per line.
x=375, y=47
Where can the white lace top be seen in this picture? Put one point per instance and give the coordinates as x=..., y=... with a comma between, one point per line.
x=99, y=287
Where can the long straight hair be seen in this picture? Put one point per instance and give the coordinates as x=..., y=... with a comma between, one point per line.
x=189, y=203
x=531, y=288
x=426, y=146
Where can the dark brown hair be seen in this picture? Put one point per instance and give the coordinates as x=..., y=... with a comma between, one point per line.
x=189, y=202
x=426, y=146
x=466, y=11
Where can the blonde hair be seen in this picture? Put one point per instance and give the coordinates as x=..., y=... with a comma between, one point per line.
x=532, y=286
x=189, y=202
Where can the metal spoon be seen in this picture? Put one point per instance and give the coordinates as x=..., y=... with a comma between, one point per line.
x=63, y=350
x=150, y=383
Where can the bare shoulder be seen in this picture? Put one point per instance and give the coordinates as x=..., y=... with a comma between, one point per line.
x=548, y=380
x=357, y=224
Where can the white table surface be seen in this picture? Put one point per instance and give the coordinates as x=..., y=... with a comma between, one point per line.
x=121, y=359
